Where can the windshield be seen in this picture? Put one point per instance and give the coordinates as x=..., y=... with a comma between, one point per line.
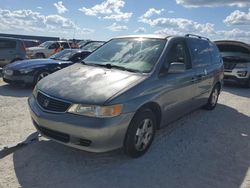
x=92, y=46
x=136, y=54
x=46, y=44
x=64, y=55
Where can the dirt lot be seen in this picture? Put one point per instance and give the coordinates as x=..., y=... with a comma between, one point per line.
x=203, y=149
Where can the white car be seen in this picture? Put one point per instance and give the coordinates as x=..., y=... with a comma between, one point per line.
x=47, y=49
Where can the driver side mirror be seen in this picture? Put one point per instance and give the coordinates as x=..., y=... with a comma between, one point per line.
x=176, y=67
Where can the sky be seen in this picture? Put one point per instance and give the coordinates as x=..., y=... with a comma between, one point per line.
x=104, y=19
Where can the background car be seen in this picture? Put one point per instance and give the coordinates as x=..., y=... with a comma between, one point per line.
x=89, y=42
x=11, y=49
x=47, y=49
x=29, y=72
x=82, y=42
x=92, y=45
x=236, y=57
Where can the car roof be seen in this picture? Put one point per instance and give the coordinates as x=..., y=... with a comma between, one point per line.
x=156, y=36
x=60, y=41
x=10, y=38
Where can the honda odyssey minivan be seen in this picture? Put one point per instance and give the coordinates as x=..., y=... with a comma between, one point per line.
x=127, y=89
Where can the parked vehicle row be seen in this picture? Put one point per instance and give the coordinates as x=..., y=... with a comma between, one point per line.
x=12, y=49
x=127, y=89
x=47, y=49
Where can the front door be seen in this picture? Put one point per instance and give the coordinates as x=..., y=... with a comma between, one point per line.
x=176, y=98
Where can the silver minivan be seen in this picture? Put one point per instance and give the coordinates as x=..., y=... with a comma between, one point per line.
x=11, y=49
x=127, y=89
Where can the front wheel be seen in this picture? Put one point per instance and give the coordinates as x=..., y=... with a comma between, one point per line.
x=40, y=76
x=213, y=99
x=140, y=133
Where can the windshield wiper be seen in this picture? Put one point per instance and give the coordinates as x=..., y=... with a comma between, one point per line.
x=110, y=66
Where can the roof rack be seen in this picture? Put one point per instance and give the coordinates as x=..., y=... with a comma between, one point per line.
x=199, y=37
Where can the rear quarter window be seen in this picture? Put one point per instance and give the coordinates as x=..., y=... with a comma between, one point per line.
x=29, y=44
x=7, y=44
x=200, y=52
x=215, y=54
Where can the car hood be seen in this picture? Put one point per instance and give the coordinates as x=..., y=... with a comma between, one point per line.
x=83, y=84
x=33, y=62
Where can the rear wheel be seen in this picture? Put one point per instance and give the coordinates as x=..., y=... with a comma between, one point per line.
x=140, y=133
x=41, y=75
x=213, y=99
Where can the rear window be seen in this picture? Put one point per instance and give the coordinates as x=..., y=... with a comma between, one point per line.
x=7, y=44
x=200, y=52
x=28, y=44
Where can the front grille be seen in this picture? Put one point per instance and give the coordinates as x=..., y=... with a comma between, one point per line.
x=229, y=66
x=84, y=142
x=52, y=104
x=54, y=134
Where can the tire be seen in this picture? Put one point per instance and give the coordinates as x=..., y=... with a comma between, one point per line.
x=140, y=133
x=213, y=98
x=40, y=56
x=40, y=76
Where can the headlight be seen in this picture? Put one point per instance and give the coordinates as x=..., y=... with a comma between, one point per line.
x=96, y=111
x=8, y=72
x=35, y=91
x=25, y=71
x=241, y=65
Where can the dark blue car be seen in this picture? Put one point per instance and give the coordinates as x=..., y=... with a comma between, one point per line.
x=29, y=72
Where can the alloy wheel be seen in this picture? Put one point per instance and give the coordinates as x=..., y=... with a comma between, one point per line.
x=143, y=135
x=42, y=75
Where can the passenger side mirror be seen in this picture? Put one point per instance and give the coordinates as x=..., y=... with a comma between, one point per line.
x=176, y=67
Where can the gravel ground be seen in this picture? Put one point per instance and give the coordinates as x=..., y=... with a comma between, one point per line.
x=203, y=149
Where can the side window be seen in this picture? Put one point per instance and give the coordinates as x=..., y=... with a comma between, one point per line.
x=54, y=46
x=76, y=58
x=200, y=52
x=7, y=44
x=215, y=54
x=65, y=45
x=178, y=53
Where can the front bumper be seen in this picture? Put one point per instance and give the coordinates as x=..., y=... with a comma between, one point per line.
x=85, y=133
x=18, y=79
x=237, y=75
